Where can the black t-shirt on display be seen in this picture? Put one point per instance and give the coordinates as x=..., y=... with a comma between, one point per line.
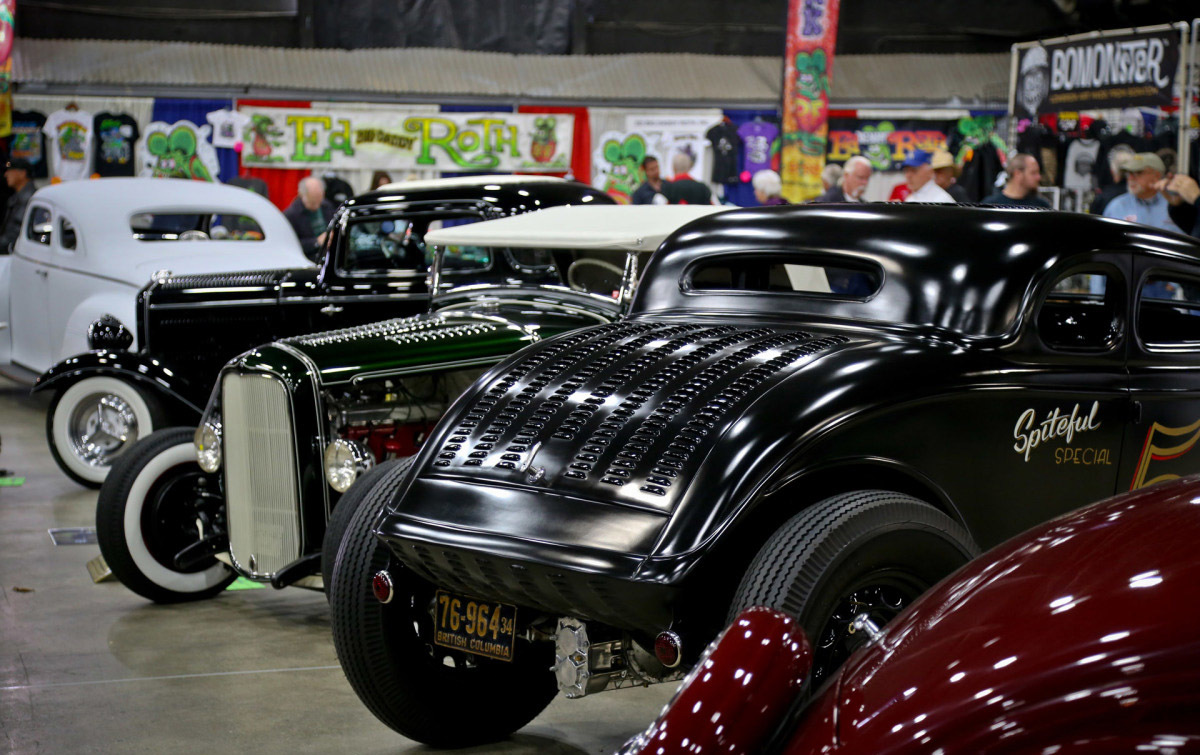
x=28, y=142
x=726, y=146
x=116, y=134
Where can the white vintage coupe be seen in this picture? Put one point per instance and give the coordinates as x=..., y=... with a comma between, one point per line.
x=87, y=247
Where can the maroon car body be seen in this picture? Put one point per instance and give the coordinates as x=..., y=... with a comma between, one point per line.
x=1082, y=634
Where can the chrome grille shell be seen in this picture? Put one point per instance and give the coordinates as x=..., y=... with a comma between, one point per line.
x=261, y=480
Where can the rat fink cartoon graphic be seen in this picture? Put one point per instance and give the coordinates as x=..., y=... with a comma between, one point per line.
x=264, y=136
x=619, y=164
x=544, y=139
x=179, y=150
x=812, y=98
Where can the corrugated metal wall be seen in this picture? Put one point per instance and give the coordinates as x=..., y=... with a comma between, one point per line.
x=439, y=74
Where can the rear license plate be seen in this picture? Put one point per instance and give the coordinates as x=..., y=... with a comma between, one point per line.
x=481, y=627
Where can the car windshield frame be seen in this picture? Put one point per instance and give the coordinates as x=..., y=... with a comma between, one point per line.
x=630, y=272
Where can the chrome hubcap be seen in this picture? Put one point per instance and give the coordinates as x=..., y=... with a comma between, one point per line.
x=101, y=427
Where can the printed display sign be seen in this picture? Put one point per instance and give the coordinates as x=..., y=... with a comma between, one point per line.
x=178, y=150
x=886, y=144
x=617, y=159
x=398, y=139
x=1116, y=71
x=808, y=66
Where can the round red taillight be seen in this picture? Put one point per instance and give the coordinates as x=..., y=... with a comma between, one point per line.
x=668, y=649
x=381, y=585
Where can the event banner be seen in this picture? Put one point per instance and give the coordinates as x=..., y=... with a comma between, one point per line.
x=885, y=143
x=1118, y=71
x=808, y=66
x=8, y=11
x=617, y=157
x=398, y=139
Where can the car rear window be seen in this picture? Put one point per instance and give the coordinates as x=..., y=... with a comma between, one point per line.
x=171, y=226
x=1169, y=312
x=811, y=275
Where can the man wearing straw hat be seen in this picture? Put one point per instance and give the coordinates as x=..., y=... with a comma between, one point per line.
x=944, y=173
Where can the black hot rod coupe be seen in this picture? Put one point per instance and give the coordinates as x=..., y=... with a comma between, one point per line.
x=822, y=409
x=373, y=266
x=291, y=425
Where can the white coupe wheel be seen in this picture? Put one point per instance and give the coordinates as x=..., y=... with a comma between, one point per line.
x=96, y=420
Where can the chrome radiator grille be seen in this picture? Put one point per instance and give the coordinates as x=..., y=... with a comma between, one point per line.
x=260, y=474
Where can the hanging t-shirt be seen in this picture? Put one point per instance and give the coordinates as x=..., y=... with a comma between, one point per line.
x=28, y=141
x=725, y=146
x=1080, y=164
x=116, y=134
x=756, y=140
x=69, y=142
x=227, y=127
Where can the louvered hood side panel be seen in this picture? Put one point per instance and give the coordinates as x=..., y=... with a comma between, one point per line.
x=222, y=280
x=622, y=413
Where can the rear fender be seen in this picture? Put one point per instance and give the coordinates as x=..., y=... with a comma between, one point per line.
x=179, y=395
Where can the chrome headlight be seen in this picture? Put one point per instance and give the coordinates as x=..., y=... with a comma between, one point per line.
x=208, y=446
x=345, y=460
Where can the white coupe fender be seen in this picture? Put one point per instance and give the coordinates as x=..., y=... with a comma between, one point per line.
x=120, y=304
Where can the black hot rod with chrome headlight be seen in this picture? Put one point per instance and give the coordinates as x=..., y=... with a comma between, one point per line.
x=271, y=474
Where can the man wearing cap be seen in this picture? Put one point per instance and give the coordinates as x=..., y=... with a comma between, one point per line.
x=1117, y=156
x=1142, y=203
x=1020, y=190
x=918, y=175
x=1034, y=82
x=944, y=173
x=18, y=175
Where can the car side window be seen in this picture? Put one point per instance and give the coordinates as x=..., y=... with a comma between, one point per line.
x=1081, y=312
x=374, y=243
x=66, y=235
x=40, y=225
x=1169, y=311
x=382, y=244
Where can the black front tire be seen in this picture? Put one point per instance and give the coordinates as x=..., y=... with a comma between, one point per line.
x=867, y=552
x=349, y=503
x=413, y=686
x=147, y=512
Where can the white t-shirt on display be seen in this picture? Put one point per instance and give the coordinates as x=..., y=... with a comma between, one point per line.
x=227, y=127
x=1081, y=158
x=69, y=143
x=930, y=192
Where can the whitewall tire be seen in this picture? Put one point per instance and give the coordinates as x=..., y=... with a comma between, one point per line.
x=95, y=420
x=156, y=502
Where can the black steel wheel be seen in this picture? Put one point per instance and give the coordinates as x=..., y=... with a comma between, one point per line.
x=441, y=697
x=864, y=554
x=160, y=519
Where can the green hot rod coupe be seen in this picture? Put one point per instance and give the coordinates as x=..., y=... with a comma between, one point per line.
x=291, y=425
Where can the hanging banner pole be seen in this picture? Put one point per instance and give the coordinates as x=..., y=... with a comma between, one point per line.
x=807, y=71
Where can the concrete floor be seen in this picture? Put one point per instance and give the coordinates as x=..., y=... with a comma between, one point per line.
x=94, y=668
